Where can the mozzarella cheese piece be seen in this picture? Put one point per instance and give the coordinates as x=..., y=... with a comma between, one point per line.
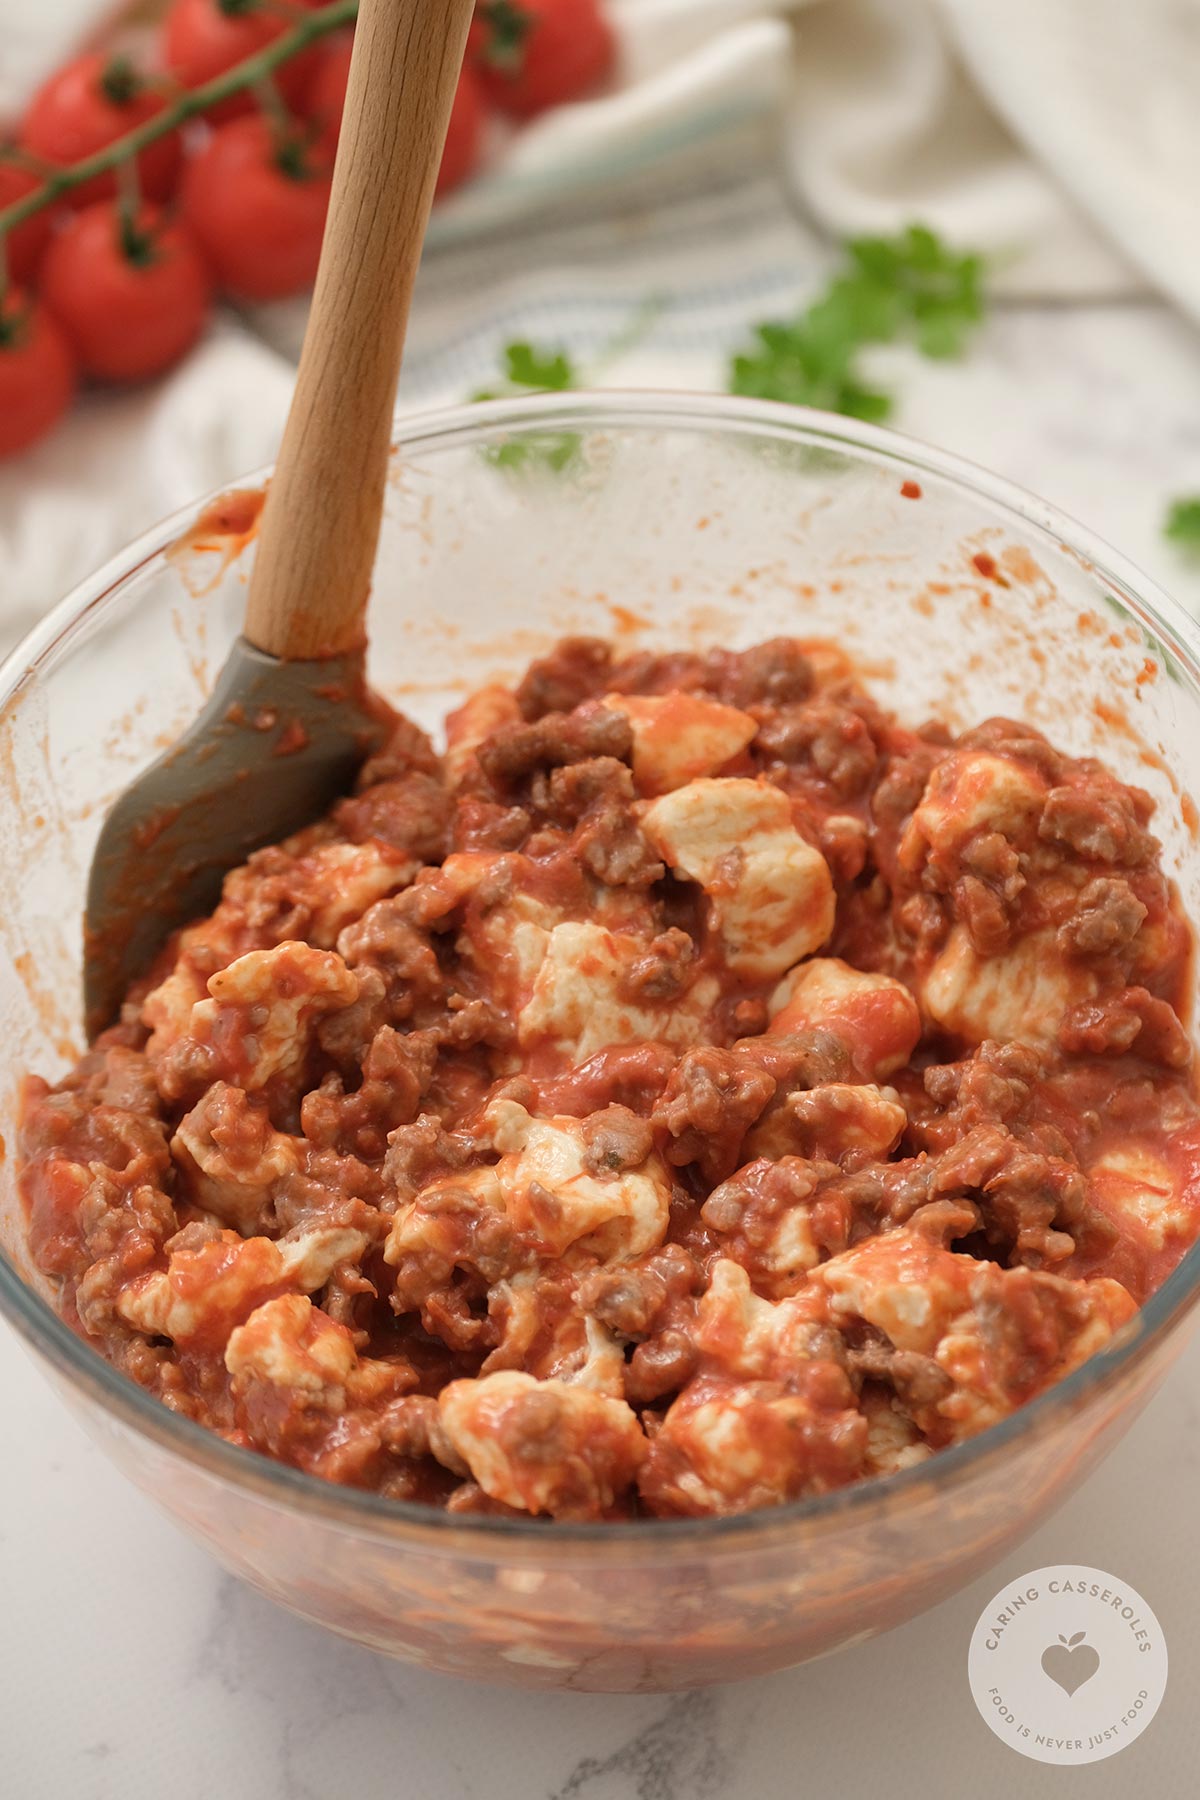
x=893, y=1441
x=286, y=990
x=204, y=1293
x=1021, y=994
x=771, y=894
x=290, y=1343
x=329, y=884
x=969, y=792
x=725, y=1445
x=726, y=1448
x=542, y=1446
x=333, y=884
x=620, y=1214
x=874, y=1016
x=829, y=1122
x=231, y=1156
x=1137, y=1183
x=999, y=1334
x=603, y=1366
x=167, y=1009
x=542, y=1185
x=677, y=737
x=577, y=1003
x=904, y=1285
x=735, y=1327
x=741, y=1334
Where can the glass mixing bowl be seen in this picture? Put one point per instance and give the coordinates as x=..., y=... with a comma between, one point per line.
x=675, y=521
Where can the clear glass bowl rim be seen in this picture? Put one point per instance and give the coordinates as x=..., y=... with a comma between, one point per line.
x=1164, y=618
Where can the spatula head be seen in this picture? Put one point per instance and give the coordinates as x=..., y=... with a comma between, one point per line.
x=275, y=745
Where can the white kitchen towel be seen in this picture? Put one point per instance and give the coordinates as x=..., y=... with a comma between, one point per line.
x=889, y=120
x=1060, y=136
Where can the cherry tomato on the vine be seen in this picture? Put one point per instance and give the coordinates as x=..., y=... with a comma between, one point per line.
x=464, y=138
x=37, y=372
x=132, y=295
x=26, y=244
x=538, y=53
x=256, y=204
x=89, y=104
x=203, y=38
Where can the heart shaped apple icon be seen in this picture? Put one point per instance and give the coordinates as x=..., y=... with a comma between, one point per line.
x=1070, y=1662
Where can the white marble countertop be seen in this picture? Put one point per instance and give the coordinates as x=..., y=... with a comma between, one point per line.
x=130, y=1667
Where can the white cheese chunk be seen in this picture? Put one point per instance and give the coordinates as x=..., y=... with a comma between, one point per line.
x=771, y=894
x=677, y=737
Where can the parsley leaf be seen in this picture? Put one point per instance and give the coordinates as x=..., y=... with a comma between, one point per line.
x=530, y=370
x=911, y=286
x=931, y=291
x=545, y=371
x=804, y=366
x=553, y=450
x=1183, y=522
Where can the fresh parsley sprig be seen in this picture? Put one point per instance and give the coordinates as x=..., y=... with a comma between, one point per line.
x=804, y=365
x=911, y=287
x=915, y=285
x=530, y=370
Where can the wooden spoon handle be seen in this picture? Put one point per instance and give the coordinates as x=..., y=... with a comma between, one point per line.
x=320, y=524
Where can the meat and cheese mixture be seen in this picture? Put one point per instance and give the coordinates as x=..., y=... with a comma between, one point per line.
x=691, y=1092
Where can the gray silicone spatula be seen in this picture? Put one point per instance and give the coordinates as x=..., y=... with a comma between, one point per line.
x=290, y=719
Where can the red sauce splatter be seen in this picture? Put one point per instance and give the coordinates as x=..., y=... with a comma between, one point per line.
x=293, y=737
x=232, y=517
x=144, y=834
x=911, y=490
x=988, y=567
x=1114, y=718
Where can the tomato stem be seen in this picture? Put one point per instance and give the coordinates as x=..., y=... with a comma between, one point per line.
x=310, y=27
x=136, y=243
x=19, y=158
x=273, y=106
x=288, y=143
x=120, y=81
x=282, y=9
x=14, y=321
x=508, y=26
